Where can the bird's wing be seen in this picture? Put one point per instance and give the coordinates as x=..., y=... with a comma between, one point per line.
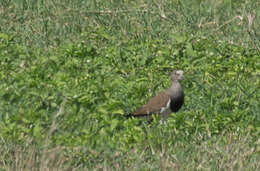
x=154, y=105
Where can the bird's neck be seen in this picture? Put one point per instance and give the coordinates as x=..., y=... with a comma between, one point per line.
x=175, y=87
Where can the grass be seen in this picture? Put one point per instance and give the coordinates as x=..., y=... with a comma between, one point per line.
x=236, y=153
x=70, y=70
x=52, y=23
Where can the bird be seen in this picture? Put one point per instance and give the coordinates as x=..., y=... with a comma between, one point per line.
x=165, y=102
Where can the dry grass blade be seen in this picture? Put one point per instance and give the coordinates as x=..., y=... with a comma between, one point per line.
x=45, y=155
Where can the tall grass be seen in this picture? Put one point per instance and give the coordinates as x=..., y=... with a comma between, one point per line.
x=51, y=23
x=236, y=153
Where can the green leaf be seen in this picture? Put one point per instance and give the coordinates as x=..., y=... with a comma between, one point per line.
x=189, y=50
x=179, y=38
x=4, y=36
x=118, y=111
x=113, y=124
x=37, y=130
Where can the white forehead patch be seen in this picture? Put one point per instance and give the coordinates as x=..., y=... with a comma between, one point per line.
x=179, y=72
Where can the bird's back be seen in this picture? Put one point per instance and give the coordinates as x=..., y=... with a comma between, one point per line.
x=154, y=105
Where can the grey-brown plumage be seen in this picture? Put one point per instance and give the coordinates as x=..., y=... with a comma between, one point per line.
x=164, y=102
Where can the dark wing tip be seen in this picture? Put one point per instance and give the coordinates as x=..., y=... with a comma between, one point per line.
x=129, y=115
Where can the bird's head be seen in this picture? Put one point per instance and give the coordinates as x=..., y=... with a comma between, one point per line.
x=177, y=75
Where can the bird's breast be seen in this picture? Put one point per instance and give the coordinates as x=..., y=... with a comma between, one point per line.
x=177, y=101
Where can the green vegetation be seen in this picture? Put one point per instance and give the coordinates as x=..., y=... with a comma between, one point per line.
x=70, y=70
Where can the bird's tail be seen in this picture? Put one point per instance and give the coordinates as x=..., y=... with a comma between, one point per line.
x=129, y=115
